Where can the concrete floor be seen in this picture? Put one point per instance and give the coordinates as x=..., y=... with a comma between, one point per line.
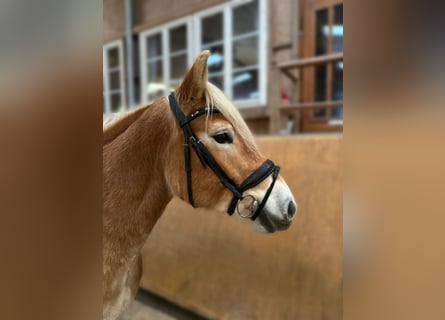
x=148, y=306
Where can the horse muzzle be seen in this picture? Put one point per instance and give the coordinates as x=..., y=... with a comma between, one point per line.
x=279, y=211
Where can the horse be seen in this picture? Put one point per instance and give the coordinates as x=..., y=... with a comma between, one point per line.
x=193, y=145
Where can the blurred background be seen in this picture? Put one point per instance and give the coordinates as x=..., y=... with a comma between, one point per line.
x=204, y=265
x=281, y=63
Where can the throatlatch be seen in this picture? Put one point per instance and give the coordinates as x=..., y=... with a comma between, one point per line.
x=266, y=169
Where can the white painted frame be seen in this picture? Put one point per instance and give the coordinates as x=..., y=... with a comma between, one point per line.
x=165, y=43
x=227, y=10
x=119, y=44
x=194, y=47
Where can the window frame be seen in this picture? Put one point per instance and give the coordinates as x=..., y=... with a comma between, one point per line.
x=194, y=46
x=107, y=92
x=163, y=30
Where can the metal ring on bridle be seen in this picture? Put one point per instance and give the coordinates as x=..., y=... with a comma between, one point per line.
x=253, y=205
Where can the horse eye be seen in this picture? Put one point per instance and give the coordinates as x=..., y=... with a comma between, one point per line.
x=223, y=137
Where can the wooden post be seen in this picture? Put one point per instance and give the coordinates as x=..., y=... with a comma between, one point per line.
x=274, y=100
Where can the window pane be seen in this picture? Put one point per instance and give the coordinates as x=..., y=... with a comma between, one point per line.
x=337, y=29
x=113, y=57
x=322, y=30
x=155, y=71
x=115, y=102
x=320, y=83
x=178, y=66
x=155, y=86
x=337, y=113
x=216, y=59
x=178, y=39
x=245, y=18
x=319, y=113
x=114, y=80
x=245, y=84
x=212, y=28
x=217, y=80
x=154, y=46
x=174, y=85
x=337, y=81
x=245, y=52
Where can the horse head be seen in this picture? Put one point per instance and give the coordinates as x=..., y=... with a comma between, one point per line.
x=226, y=170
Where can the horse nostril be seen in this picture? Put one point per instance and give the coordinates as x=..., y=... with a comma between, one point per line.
x=291, y=209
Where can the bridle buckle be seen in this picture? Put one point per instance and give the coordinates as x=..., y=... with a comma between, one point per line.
x=249, y=206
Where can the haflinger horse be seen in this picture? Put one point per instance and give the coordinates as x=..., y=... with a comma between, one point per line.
x=193, y=145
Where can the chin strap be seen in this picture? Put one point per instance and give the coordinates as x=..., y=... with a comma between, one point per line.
x=207, y=160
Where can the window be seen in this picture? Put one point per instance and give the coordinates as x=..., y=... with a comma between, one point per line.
x=235, y=34
x=337, y=46
x=165, y=55
x=245, y=53
x=329, y=39
x=113, y=78
x=212, y=38
x=154, y=66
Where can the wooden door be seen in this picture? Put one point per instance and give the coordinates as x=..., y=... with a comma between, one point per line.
x=322, y=22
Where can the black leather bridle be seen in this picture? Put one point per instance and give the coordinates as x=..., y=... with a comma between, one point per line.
x=259, y=175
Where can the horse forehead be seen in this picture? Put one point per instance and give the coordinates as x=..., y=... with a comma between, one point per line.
x=219, y=121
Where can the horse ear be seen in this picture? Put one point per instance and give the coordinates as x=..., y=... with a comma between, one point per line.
x=194, y=84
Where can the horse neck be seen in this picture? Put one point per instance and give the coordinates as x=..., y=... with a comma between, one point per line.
x=135, y=191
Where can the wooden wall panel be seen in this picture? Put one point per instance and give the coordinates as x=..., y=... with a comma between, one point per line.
x=219, y=266
x=151, y=13
x=113, y=20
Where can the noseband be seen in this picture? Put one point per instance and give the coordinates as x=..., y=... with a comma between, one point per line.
x=207, y=160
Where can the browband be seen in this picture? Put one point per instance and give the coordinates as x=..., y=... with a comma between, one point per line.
x=207, y=160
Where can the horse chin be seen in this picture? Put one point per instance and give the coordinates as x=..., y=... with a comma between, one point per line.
x=265, y=224
x=263, y=229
